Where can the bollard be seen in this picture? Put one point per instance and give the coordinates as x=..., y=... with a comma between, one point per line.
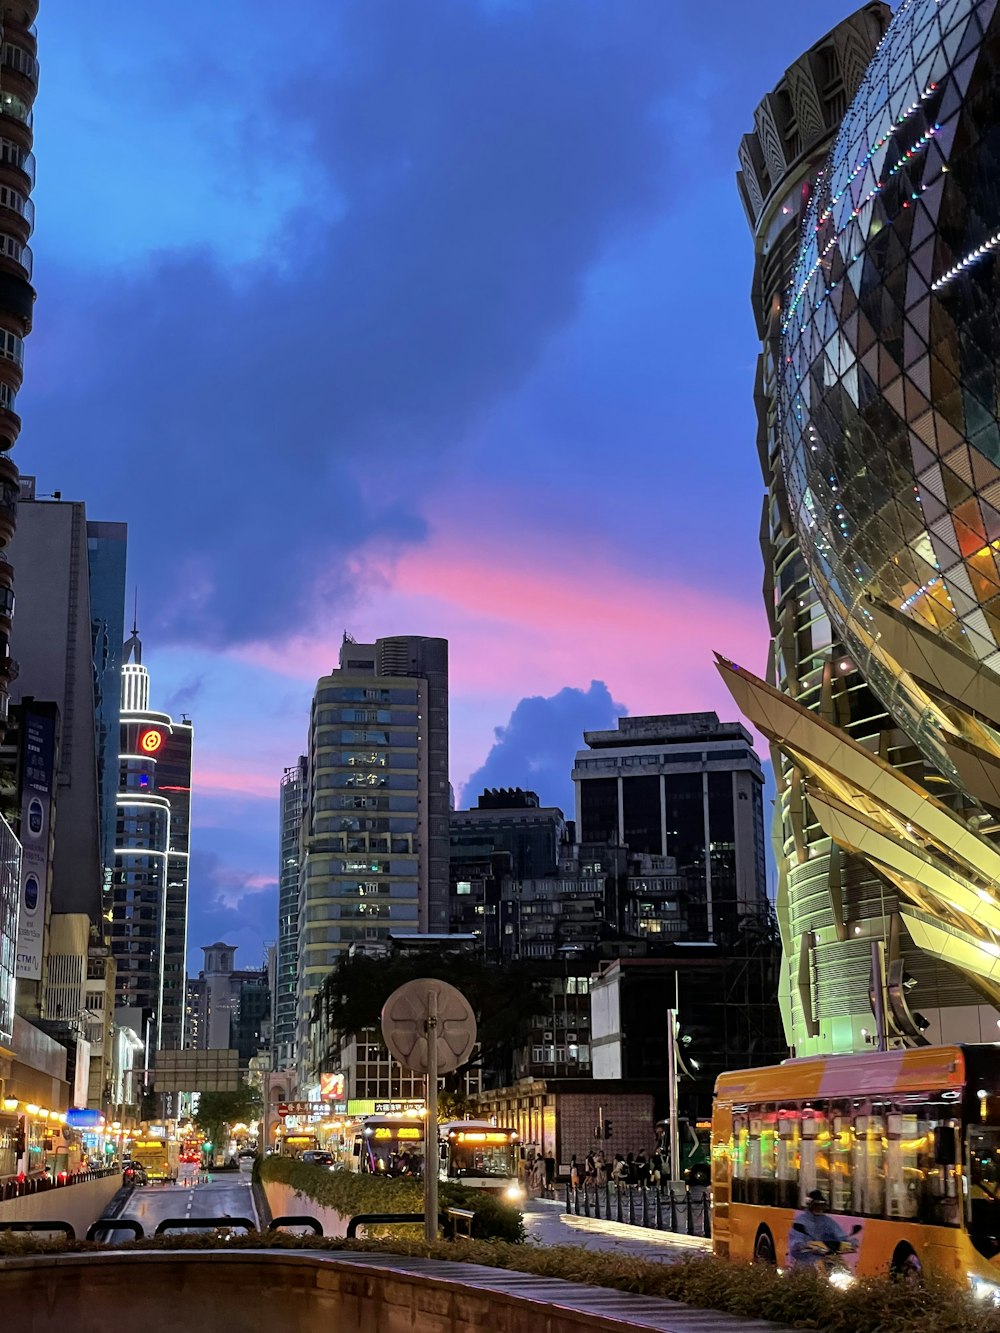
x=706, y=1216
x=568, y=1206
x=690, y=1214
x=673, y=1210
x=659, y=1210
x=631, y=1205
x=586, y=1202
x=607, y=1200
x=618, y=1195
x=645, y=1206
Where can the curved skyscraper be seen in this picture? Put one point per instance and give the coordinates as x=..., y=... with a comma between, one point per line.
x=882, y=387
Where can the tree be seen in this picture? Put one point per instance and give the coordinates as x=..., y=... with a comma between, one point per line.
x=217, y=1110
x=504, y=999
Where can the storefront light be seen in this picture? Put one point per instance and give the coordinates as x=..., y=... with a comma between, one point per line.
x=10, y=1103
x=31, y=1109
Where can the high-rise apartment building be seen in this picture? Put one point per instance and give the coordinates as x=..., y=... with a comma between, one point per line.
x=149, y=913
x=18, y=86
x=683, y=786
x=833, y=904
x=375, y=809
x=285, y=998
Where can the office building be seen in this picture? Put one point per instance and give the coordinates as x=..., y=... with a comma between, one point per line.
x=286, y=964
x=513, y=821
x=883, y=383
x=18, y=86
x=229, y=1006
x=107, y=546
x=687, y=787
x=149, y=911
x=375, y=807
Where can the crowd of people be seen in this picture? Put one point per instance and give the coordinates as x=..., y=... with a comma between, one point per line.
x=597, y=1169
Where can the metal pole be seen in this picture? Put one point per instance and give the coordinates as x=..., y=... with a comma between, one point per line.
x=431, y=1153
x=672, y=1092
x=878, y=994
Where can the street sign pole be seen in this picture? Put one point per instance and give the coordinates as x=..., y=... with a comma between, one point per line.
x=432, y=1154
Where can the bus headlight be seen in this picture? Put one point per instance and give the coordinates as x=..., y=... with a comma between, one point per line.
x=514, y=1193
x=842, y=1278
x=983, y=1290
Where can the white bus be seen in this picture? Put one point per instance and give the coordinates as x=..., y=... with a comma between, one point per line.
x=480, y=1155
x=384, y=1145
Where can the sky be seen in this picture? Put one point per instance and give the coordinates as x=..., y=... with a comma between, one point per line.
x=405, y=318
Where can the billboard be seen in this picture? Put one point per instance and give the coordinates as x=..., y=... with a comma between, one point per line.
x=332, y=1087
x=216, y=1070
x=38, y=756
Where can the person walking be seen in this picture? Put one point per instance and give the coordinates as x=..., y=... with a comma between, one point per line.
x=631, y=1170
x=550, y=1174
x=574, y=1173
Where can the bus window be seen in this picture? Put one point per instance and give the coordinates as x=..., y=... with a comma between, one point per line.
x=763, y=1155
x=787, y=1170
x=868, y=1165
x=906, y=1145
x=814, y=1169
x=741, y=1157
x=841, y=1151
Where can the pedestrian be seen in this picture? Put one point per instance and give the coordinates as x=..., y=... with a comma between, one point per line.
x=656, y=1168
x=574, y=1173
x=618, y=1171
x=642, y=1169
x=538, y=1180
x=590, y=1170
x=550, y=1174
x=631, y=1171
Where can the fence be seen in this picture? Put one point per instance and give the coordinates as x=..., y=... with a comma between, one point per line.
x=39, y=1183
x=644, y=1206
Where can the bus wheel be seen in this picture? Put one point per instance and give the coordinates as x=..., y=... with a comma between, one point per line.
x=763, y=1249
x=905, y=1266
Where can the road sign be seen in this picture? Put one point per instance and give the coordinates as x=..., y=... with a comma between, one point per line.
x=430, y=1028
x=302, y=1108
x=404, y=1025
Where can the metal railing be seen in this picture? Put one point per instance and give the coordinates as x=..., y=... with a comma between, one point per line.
x=39, y=1182
x=657, y=1208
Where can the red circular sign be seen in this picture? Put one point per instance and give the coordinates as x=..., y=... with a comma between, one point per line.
x=150, y=741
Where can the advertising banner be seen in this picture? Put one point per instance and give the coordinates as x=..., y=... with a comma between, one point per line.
x=37, y=780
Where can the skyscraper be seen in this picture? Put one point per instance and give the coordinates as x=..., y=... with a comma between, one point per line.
x=18, y=85
x=375, y=808
x=688, y=787
x=881, y=379
x=149, y=915
x=286, y=984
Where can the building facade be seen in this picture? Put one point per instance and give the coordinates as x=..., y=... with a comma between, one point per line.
x=150, y=892
x=18, y=86
x=374, y=843
x=687, y=787
x=883, y=380
x=286, y=964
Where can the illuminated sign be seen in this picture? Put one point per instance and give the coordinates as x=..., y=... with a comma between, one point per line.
x=332, y=1087
x=150, y=741
x=394, y=1108
x=481, y=1137
x=301, y=1108
x=82, y=1117
x=405, y=1133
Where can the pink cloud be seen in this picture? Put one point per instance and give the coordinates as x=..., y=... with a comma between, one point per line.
x=242, y=782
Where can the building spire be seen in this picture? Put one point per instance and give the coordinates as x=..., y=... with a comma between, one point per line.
x=132, y=648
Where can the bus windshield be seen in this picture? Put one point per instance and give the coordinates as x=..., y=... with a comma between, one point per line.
x=481, y=1159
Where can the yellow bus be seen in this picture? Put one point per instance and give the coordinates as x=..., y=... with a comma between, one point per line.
x=904, y=1144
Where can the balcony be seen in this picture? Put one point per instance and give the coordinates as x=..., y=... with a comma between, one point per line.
x=19, y=61
x=16, y=108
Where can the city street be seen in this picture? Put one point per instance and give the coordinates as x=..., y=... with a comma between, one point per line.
x=221, y=1196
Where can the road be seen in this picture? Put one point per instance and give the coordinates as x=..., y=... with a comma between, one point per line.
x=225, y=1195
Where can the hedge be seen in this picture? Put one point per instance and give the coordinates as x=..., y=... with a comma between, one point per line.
x=797, y=1300
x=350, y=1192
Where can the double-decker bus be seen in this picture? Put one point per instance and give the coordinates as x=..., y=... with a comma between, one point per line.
x=481, y=1155
x=904, y=1144
x=384, y=1145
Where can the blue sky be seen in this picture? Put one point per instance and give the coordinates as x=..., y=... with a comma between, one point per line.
x=405, y=318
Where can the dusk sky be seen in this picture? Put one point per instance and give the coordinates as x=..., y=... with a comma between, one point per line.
x=405, y=317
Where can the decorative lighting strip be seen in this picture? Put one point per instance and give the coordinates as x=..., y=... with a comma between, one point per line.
x=972, y=258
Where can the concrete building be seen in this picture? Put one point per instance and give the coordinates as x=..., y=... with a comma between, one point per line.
x=375, y=809
x=149, y=912
x=285, y=998
x=229, y=1007
x=688, y=787
x=511, y=820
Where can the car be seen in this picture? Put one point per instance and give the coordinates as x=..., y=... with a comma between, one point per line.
x=135, y=1174
x=247, y=1154
x=319, y=1159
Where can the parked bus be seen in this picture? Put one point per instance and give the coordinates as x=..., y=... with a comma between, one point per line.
x=693, y=1149
x=481, y=1155
x=904, y=1144
x=384, y=1145
x=295, y=1142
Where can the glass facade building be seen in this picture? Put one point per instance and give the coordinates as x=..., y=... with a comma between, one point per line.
x=10, y=884
x=882, y=367
x=285, y=989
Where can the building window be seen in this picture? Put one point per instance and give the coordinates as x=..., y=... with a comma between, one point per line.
x=463, y=886
x=11, y=346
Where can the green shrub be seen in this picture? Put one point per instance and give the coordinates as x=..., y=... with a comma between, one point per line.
x=350, y=1193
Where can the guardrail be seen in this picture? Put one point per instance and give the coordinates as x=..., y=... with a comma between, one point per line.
x=643, y=1206
x=202, y=1223
x=42, y=1224
x=296, y=1220
x=115, y=1224
x=14, y=1188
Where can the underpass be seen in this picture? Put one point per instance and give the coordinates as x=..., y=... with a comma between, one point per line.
x=196, y=1194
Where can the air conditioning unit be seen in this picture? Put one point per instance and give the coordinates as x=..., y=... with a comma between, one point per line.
x=547, y=1036
x=571, y=1036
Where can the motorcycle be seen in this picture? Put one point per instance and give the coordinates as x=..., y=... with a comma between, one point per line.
x=830, y=1259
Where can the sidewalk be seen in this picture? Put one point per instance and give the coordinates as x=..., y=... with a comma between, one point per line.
x=547, y=1223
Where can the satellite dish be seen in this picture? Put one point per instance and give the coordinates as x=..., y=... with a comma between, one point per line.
x=404, y=1025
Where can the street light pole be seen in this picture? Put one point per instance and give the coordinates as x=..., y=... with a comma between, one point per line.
x=431, y=1154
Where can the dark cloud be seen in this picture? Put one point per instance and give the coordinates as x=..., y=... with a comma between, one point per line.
x=535, y=750
x=185, y=695
x=255, y=423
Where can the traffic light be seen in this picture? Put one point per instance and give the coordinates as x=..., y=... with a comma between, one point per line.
x=607, y=1129
x=208, y=1146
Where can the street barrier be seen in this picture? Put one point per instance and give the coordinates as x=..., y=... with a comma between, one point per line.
x=656, y=1209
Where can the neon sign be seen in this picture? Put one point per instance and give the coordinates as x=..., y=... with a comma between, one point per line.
x=150, y=741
